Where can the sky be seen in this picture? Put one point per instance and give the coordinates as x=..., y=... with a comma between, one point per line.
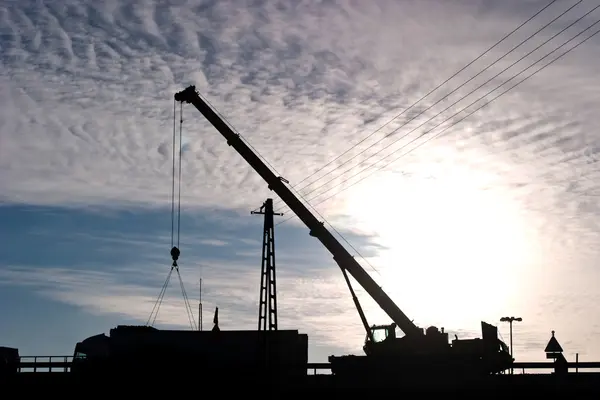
x=460, y=213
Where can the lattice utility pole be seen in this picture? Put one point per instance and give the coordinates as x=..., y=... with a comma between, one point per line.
x=267, y=309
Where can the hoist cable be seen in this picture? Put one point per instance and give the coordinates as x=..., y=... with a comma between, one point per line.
x=163, y=290
x=186, y=300
x=174, y=249
x=188, y=307
x=173, y=175
x=162, y=295
x=158, y=302
x=179, y=189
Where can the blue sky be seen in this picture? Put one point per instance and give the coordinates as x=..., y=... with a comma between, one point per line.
x=115, y=261
x=497, y=216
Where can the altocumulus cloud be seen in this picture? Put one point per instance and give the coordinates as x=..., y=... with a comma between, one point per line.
x=87, y=90
x=87, y=87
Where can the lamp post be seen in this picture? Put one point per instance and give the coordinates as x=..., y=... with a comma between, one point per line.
x=510, y=321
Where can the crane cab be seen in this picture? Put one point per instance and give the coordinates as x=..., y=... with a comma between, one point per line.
x=381, y=333
x=377, y=335
x=384, y=339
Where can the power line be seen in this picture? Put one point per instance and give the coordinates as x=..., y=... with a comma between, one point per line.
x=432, y=105
x=215, y=109
x=466, y=116
x=273, y=168
x=450, y=106
x=407, y=109
x=343, y=238
x=332, y=227
x=431, y=91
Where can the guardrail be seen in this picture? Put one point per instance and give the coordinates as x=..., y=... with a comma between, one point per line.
x=45, y=363
x=318, y=368
x=63, y=364
x=572, y=367
x=519, y=367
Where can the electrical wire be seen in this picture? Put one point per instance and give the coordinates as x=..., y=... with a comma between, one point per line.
x=466, y=116
x=293, y=188
x=446, y=96
x=307, y=201
x=433, y=90
x=277, y=173
x=450, y=106
x=264, y=159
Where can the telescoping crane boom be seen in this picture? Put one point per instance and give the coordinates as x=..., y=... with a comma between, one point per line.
x=428, y=348
x=317, y=229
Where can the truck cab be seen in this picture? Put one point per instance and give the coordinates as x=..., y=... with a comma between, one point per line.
x=9, y=361
x=90, y=351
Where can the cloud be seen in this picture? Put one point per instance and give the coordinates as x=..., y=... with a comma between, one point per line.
x=114, y=267
x=87, y=89
x=213, y=242
x=86, y=121
x=118, y=275
x=310, y=305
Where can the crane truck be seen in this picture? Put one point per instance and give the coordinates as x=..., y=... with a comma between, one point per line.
x=418, y=352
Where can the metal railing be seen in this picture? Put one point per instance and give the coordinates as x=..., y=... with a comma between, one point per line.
x=45, y=363
x=63, y=364
x=518, y=367
x=318, y=368
x=549, y=366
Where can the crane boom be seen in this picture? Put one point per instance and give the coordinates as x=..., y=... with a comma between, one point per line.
x=343, y=258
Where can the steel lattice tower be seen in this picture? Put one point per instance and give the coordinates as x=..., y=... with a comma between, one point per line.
x=267, y=312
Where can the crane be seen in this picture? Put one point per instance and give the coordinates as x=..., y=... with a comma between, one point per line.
x=416, y=342
x=317, y=229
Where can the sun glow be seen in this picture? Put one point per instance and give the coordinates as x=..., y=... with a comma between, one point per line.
x=451, y=247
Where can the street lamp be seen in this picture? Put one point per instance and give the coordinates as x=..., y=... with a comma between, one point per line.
x=510, y=321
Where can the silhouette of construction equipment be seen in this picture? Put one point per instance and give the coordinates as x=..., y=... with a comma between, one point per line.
x=419, y=351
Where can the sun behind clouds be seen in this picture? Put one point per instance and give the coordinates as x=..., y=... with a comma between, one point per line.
x=451, y=247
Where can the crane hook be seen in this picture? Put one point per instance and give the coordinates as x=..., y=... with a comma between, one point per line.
x=175, y=255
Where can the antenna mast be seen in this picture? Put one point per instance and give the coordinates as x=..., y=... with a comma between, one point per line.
x=200, y=308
